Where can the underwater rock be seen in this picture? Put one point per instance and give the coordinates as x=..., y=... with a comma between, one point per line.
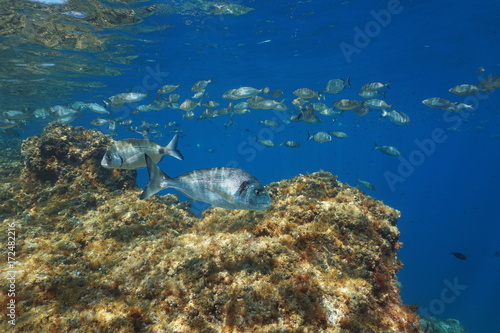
x=63, y=154
x=91, y=255
x=432, y=325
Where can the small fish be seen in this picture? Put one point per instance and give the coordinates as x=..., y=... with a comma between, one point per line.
x=335, y=86
x=6, y=123
x=307, y=93
x=319, y=137
x=267, y=104
x=129, y=153
x=397, y=117
x=198, y=95
x=168, y=88
x=459, y=255
x=372, y=94
x=269, y=122
x=291, y=144
x=318, y=107
x=200, y=85
x=489, y=83
x=229, y=188
x=127, y=97
x=388, y=150
x=59, y=111
x=347, y=104
x=375, y=86
x=172, y=98
x=307, y=115
x=99, y=122
x=437, y=103
x=464, y=89
x=377, y=104
x=94, y=107
x=19, y=115
x=126, y=122
x=143, y=108
x=298, y=102
x=189, y=105
x=188, y=115
x=255, y=100
x=245, y=92
x=368, y=185
x=338, y=134
x=211, y=104
x=277, y=93
x=78, y=106
x=229, y=123
x=265, y=142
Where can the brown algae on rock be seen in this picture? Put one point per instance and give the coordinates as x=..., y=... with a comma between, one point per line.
x=92, y=256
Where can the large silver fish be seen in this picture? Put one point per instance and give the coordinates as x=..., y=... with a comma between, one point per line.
x=229, y=188
x=129, y=153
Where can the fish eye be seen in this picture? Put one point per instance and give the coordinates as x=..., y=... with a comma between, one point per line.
x=258, y=191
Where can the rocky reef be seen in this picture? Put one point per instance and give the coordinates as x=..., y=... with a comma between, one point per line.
x=432, y=325
x=91, y=257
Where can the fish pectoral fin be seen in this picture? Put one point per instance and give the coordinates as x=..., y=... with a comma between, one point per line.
x=132, y=159
x=225, y=196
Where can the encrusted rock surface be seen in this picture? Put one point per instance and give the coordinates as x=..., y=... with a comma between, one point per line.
x=92, y=257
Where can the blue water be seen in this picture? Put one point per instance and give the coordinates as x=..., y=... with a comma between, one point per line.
x=449, y=199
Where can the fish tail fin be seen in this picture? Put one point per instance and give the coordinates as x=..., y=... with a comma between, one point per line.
x=156, y=178
x=211, y=80
x=388, y=85
x=348, y=81
x=309, y=136
x=171, y=148
x=375, y=145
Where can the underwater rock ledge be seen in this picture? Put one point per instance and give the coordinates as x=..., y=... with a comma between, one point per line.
x=92, y=256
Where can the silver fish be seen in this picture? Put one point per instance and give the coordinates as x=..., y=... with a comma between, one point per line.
x=375, y=86
x=265, y=142
x=189, y=105
x=94, y=107
x=269, y=122
x=372, y=94
x=59, y=111
x=129, y=153
x=229, y=188
x=319, y=137
x=337, y=85
x=377, y=104
x=347, y=104
x=168, y=88
x=388, y=150
x=397, y=117
x=437, y=103
x=464, y=89
x=338, y=134
x=366, y=184
x=291, y=144
x=489, y=83
x=6, y=123
x=131, y=97
x=200, y=85
x=99, y=122
x=307, y=93
x=245, y=92
x=16, y=115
